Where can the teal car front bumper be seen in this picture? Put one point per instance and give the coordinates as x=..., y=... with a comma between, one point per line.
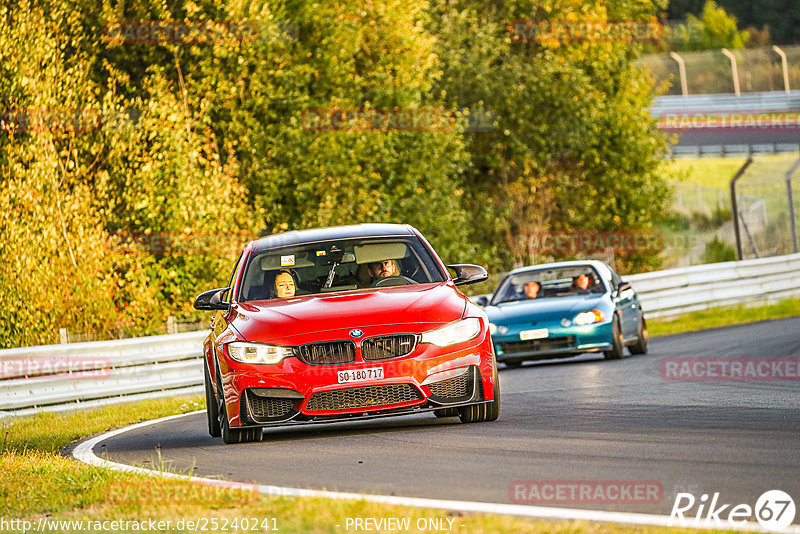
x=547, y=340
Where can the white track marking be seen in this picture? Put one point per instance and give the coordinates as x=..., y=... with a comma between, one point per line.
x=84, y=452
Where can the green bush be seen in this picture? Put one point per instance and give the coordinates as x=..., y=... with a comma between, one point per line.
x=201, y=147
x=718, y=251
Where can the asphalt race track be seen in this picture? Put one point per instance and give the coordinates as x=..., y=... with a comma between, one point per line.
x=584, y=419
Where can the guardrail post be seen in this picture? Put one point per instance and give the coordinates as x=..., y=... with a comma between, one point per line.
x=734, y=70
x=63, y=336
x=681, y=71
x=734, y=207
x=785, y=67
x=172, y=328
x=790, y=197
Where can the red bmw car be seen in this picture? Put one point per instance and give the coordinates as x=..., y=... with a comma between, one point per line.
x=345, y=323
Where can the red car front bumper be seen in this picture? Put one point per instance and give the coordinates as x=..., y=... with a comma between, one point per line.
x=292, y=391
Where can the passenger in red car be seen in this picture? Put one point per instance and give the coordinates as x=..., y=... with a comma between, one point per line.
x=284, y=285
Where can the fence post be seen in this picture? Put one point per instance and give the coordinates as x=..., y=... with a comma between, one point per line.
x=790, y=197
x=172, y=328
x=734, y=208
x=785, y=67
x=734, y=71
x=63, y=336
x=682, y=72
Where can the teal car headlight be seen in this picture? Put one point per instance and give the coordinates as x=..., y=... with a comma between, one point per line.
x=457, y=332
x=258, y=353
x=589, y=317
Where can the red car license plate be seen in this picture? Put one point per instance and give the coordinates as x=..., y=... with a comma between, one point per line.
x=360, y=375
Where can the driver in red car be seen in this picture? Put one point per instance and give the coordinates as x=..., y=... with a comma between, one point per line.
x=383, y=269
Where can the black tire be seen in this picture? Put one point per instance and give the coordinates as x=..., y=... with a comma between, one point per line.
x=446, y=412
x=472, y=414
x=642, y=338
x=493, y=410
x=478, y=413
x=617, y=344
x=212, y=408
x=234, y=435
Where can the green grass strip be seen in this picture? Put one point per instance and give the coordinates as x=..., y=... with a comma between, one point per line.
x=720, y=317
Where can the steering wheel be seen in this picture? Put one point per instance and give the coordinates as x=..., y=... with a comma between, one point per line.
x=389, y=281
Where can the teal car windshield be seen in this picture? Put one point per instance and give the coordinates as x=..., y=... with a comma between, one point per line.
x=546, y=283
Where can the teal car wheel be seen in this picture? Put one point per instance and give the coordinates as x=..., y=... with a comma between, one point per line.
x=617, y=345
x=642, y=338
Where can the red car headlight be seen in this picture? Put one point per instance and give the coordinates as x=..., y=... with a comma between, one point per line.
x=457, y=332
x=258, y=353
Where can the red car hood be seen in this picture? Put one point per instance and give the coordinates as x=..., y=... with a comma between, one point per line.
x=424, y=306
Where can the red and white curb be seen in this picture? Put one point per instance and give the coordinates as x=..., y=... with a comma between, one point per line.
x=84, y=452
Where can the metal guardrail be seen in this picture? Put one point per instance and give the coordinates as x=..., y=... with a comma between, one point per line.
x=726, y=150
x=701, y=287
x=672, y=109
x=766, y=102
x=99, y=373
x=63, y=377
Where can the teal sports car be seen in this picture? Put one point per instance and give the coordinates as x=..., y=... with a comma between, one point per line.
x=560, y=310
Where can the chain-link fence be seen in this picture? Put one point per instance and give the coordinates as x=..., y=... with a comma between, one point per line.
x=172, y=326
x=711, y=71
x=704, y=230
x=699, y=212
x=762, y=195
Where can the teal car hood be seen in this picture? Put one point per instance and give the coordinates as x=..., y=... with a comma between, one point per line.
x=546, y=309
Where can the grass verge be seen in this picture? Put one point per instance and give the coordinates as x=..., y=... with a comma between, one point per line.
x=719, y=317
x=717, y=172
x=38, y=485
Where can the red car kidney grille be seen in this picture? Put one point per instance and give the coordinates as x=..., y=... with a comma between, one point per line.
x=384, y=347
x=328, y=353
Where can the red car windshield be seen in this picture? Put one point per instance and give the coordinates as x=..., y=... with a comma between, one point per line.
x=549, y=283
x=334, y=266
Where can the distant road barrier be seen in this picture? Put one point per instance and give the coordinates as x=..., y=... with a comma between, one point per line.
x=727, y=124
x=98, y=373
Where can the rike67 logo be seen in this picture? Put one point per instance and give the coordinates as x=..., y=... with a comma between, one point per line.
x=774, y=510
